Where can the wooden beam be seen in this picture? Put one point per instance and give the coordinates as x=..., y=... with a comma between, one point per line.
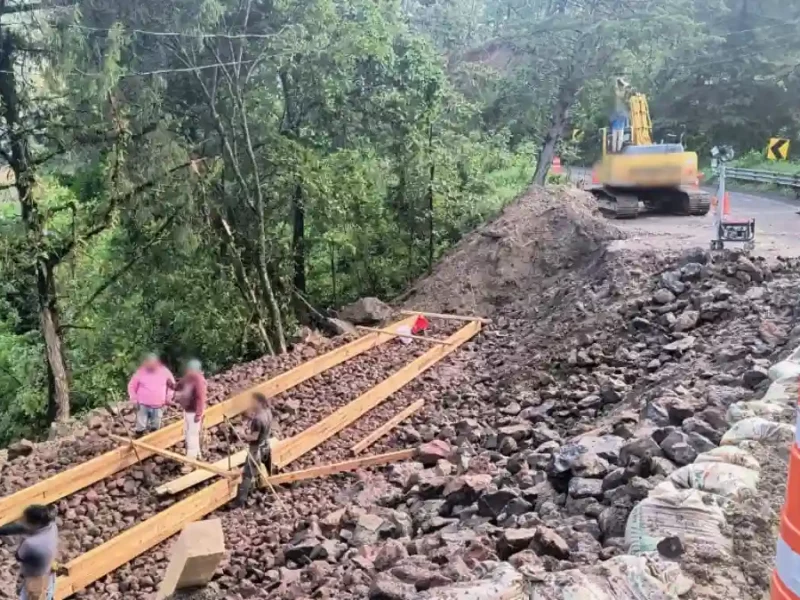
x=197, y=477
x=105, y=558
x=296, y=446
x=446, y=317
x=176, y=457
x=431, y=340
x=387, y=427
x=342, y=467
x=72, y=480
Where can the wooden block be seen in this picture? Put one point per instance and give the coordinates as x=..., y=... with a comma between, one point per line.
x=194, y=558
x=72, y=480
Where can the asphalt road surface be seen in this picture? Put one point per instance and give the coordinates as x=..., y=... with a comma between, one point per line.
x=777, y=226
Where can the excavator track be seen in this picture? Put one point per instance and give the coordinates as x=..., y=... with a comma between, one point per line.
x=699, y=202
x=619, y=204
x=615, y=205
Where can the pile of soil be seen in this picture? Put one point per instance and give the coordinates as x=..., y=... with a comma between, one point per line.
x=544, y=232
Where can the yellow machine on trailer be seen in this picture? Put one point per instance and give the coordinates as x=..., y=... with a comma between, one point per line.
x=635, y=175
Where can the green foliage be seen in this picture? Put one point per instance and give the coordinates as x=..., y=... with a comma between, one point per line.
x=197, y=165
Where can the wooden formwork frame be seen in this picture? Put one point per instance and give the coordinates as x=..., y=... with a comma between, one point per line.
x=98, y=562
x=105, y=558
x=290, y=449
x=75, y=479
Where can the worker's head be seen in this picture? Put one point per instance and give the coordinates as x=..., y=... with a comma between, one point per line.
x=259, y=401
x=37, y=516
x=194, y=366
x=151, y=361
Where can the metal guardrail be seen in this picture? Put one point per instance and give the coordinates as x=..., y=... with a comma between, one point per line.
x=769, y=177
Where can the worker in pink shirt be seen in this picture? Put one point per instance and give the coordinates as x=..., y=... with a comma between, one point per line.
x=150, y=389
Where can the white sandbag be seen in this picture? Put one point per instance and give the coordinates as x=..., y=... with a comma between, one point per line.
x=733, y=455
x=716, y=478
x=504, y=583
x=626, y=577
x=760, y=430
x=786, y=368
x=739, y=411
x=694, y=516
x=782, y=392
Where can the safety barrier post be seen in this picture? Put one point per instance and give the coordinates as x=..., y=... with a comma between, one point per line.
x=786, y=575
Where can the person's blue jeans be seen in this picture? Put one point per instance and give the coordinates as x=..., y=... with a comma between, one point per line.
x=148, y=418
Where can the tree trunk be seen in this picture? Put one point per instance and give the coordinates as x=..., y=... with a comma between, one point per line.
x=554, y=132
x=59, y=406
x=19, y=161
x=247, y=289
x=299, y=250
x=432, y=173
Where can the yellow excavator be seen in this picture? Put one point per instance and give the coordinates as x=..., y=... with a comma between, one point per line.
x=635, y=175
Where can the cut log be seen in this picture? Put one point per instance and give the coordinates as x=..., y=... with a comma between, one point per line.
x=387, y=427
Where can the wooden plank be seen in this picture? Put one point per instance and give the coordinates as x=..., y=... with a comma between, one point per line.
x=176, y=457
x=446, y=317
x=342, y=467
x=410, y=336
x=387, y=427
x=105, y=558
x=197, y=477
x=298, y=445
x=72, y=480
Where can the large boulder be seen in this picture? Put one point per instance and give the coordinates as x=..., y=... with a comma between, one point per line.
x=366, y=311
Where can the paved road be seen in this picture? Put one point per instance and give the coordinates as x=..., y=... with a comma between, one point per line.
x=777, y=226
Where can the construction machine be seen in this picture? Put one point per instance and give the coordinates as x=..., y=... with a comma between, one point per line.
x=636, y=175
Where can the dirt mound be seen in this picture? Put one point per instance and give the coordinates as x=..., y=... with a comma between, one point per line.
x=542, y=233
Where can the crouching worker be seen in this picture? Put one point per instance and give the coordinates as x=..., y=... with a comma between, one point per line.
x=37, y=552
x=191, y=394
x=259, y=429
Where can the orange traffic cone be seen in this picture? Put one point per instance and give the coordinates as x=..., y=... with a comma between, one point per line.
x=726, y=204
x=595, y=178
